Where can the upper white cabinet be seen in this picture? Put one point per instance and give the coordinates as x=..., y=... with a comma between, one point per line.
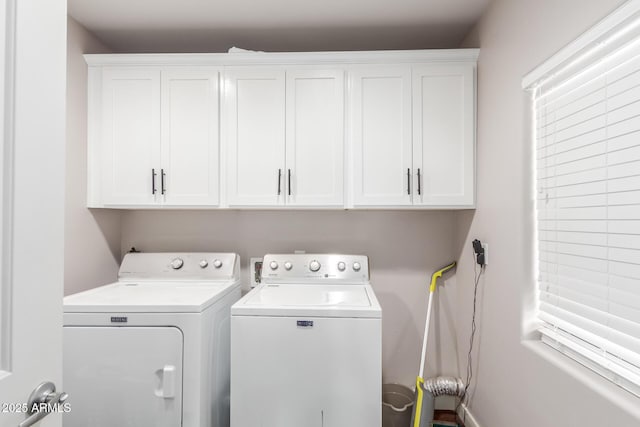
x=130, y=137
x=444, y=134
x=255, y=111
x=315, y=137
x=342, y=130
x=285, y=137
x=381, y=136
x=155, y=137
x=413, y=135
x=190, y=135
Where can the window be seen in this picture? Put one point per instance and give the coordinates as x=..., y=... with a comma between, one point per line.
x=586, y=113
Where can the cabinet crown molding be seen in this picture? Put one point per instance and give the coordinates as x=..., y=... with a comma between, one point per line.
x=285, y=58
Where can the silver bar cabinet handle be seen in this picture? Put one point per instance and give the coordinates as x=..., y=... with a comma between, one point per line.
x=153, y=181
x=279, y=180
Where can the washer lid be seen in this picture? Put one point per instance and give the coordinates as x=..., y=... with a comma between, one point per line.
x=148, y=297
x=309, y=300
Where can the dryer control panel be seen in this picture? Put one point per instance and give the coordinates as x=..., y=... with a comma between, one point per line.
x=192, y=266
x=315, y=268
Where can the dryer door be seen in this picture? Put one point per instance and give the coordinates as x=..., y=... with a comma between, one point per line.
x=123, y=376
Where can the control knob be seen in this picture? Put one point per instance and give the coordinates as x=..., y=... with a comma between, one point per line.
x=342, y=266
x=288, y=265
x=356, y=266
x=177, y=263
x=273, y=265
x=314, y=266
x=203, y=263
x=217, y=263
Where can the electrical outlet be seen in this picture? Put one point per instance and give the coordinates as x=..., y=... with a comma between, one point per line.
x=255, y=272
x=485, y=246
x=478, y=250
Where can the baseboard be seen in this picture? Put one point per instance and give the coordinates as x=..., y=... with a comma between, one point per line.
x=467, y=416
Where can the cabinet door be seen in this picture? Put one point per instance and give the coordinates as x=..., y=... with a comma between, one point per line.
x=315, y=138
x=444, y=134
x=255, y=112
x=130, y=136
x=381, y=135
x=190, y=141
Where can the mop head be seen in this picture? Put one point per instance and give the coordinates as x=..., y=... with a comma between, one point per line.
x=444, y=386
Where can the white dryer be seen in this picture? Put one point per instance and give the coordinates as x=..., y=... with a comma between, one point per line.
x=152, y=349
x=306, y=345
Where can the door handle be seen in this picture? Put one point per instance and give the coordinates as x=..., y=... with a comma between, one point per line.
x=419, y=191
x=42, y=402
x=289, y=182
x=408, y=181
x=168, y=378
x=162, y=175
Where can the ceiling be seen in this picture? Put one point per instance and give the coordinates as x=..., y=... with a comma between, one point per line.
x=276, y=25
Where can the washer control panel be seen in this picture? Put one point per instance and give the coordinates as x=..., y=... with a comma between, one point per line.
x=324, y=268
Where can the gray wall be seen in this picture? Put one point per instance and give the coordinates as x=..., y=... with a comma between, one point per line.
x=92, y=237
x=404, y=248
x=520, y=382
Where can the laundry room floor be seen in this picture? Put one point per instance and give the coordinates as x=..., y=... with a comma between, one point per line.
x=448, y=418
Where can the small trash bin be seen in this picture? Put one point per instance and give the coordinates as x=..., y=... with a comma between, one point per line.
x=397, y=405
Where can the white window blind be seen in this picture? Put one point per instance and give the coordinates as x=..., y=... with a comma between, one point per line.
x=587, y=135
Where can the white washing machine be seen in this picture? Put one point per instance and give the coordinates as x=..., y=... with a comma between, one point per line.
x=152, y=349
x=306, y=345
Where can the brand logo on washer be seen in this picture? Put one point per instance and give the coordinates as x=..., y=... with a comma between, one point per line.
x=305, y=323
x=118, y=319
